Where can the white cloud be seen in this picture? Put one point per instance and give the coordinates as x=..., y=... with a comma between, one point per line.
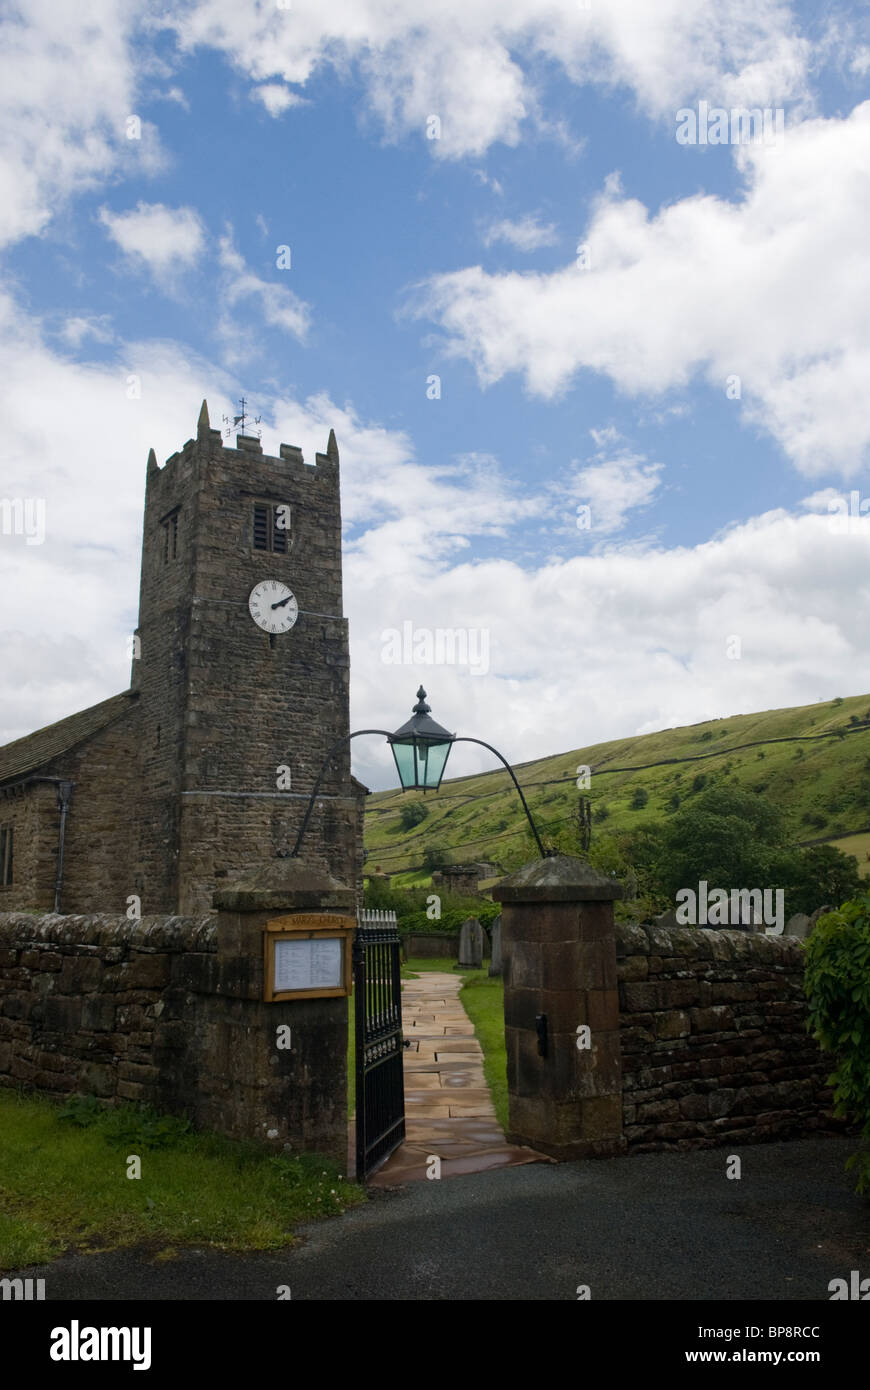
x=277, y=99
x=68, y=83
x=527, y=234
x=772, y=288
x=279, y=306
x=166, y=240
x=613, y=487
x=464, y=60
x=79, y=327
x=620, y=642
x=588, y=647
x=860, y=63
x=474, y=63
x=488, y=182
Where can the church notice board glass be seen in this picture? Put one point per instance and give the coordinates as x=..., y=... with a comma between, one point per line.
x=308, y=956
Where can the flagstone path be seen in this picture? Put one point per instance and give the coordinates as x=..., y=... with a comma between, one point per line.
x=448, y=1109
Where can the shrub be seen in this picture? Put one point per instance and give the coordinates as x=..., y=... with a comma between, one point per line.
x=435, y=855
x=837, y=983
x=413, y=814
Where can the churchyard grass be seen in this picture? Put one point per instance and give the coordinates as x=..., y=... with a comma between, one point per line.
x=482, y=997
x=64, y=1184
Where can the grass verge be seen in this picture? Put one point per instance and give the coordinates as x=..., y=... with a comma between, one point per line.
x=482, y=997
x=64, y=1184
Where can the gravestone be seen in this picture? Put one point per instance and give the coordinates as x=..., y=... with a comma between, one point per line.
x=666, y=919
x=819, y=912
x=471, y=944
x=798, y=925
x=495, y=965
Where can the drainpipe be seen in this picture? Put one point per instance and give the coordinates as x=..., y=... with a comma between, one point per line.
x=64, y=794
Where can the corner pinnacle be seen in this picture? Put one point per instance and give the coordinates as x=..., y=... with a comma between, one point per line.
x=152, y=462
x=332, y=447
x=203, y=421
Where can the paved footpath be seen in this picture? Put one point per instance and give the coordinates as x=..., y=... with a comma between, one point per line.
x=448, y=1109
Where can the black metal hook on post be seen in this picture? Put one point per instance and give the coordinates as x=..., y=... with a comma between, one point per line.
x=320, y=776
x=382, y=733
x=544, y=854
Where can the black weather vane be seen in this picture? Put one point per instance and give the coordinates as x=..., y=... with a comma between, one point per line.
x=244, y=420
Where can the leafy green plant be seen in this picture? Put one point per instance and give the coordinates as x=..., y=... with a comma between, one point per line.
x=81, y=1110
x=139, y=1125
x=837, y=983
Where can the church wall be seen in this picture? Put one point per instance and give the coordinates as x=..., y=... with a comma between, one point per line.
x=225, y=837
x=30, y=810
x=100, y=863
x=161, y=673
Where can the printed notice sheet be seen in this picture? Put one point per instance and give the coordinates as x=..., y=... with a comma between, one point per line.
x=314, y=964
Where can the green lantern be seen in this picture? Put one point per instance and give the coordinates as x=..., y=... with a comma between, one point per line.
x=421, y=748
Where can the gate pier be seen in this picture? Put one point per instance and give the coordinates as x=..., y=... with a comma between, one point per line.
x=291, y=1097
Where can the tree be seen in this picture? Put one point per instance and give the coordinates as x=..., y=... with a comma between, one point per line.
x=412, y=814
x=821, y=874
x=639, y=798
x=728, y=837
x=436, y=855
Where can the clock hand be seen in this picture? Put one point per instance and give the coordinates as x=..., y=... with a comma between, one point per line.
x=281, y=602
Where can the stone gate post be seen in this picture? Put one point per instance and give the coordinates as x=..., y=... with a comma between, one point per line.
x=294, y=1098
x=559, y=949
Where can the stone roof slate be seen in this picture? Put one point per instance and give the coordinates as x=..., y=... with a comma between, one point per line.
x=35, y=750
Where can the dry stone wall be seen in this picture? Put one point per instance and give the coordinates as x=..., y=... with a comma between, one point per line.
x=154, y=1011
x=713, y=1041
x=92, y=1003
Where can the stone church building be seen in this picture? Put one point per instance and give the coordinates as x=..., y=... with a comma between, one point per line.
x=239, y=688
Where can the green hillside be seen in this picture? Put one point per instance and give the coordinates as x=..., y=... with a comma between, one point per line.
x=812, y=760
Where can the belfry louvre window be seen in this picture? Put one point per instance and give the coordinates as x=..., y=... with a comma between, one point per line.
x=169, y=526
x=5, y=856
x=270, y=527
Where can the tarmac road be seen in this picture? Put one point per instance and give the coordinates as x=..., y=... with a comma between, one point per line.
x=652, y=1226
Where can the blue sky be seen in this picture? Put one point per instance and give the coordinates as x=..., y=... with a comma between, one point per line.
x=561, y=385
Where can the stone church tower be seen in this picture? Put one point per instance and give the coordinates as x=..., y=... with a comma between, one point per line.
x=202, y=770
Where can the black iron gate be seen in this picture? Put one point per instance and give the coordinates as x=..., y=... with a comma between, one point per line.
x=380, y=1096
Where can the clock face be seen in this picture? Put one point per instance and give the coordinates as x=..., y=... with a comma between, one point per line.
x=273, y=606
